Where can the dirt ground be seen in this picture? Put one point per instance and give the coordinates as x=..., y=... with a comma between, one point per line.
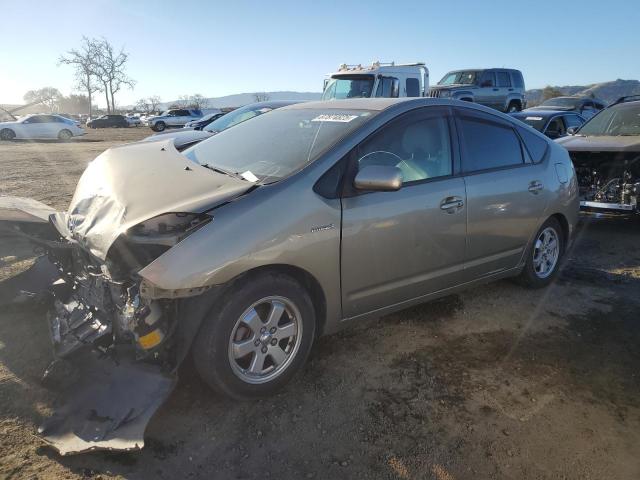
x=497, y=382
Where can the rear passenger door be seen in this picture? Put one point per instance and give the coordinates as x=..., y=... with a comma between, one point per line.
x=503, y=83
x=506, y=194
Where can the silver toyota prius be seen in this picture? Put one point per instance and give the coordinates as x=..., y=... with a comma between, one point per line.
x=245, y=248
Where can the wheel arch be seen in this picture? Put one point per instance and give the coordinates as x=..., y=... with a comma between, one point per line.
x=564, y=224
x=302, y=276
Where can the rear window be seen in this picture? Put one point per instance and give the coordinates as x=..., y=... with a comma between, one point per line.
x=536, y=146
x=488, y=145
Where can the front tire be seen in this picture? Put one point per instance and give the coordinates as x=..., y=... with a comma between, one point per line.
x=159, y=127
x=256, y=337
x=544, y=256
x=65, y=135
x=7, y=134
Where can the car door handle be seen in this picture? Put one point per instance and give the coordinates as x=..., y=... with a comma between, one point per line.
x=451, y=204
x=535, y=186
x=495, y=89
x=511, y=89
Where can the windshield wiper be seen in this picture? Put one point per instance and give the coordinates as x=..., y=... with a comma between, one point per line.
x=220, y=170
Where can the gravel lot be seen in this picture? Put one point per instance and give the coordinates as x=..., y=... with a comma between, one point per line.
x=498, y=382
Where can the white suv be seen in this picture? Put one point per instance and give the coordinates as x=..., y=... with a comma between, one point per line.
x=173, y=118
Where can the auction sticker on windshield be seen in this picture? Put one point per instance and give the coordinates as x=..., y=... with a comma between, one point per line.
x=334, y=117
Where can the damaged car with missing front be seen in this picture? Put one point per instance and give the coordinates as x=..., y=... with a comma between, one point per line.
x=606, y=154
x=246, y=247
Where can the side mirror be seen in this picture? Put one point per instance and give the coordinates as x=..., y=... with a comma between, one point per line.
x=380, y=178
x=572, y=130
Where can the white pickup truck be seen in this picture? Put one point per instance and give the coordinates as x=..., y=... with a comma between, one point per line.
x=377, y=80
x=176, y=117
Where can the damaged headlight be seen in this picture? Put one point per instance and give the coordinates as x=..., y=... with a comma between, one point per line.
x=142, y=244
x=167, y=229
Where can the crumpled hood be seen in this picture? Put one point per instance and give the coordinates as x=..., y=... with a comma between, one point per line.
x=578, y=143
x=127, y=185
x=181, y=137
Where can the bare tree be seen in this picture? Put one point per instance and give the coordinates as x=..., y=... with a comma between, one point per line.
x=48, y=96
x=154, y=102
x=261, y=97
x=149, y=104
x=84, y=61
x=198, y=101
x=109, y=67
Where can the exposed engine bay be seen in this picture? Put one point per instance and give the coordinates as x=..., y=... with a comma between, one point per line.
x=608, y=181
x=125, y=346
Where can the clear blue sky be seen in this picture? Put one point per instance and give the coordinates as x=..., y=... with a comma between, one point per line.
x=219, y=48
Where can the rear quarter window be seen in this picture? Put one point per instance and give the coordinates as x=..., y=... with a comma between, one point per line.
x=536, y=146
x=413, y=87
x=517, y=80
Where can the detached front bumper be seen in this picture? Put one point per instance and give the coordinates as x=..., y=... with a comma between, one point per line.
x=118, y=351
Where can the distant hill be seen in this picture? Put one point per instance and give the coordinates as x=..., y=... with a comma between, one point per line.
x=241, y=99
x=608, y=91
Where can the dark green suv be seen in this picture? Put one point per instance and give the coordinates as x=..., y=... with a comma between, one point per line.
x=499, y=88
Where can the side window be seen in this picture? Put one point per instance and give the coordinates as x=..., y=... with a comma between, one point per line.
x=556, y=128
x=488, y=145
x=573, y=121
x=517, y=80
x=34, y=119
x=488, y=79
x=536, y=146
x=417, y=143
x=413, y=87
x=388, y=87
x=504, y=80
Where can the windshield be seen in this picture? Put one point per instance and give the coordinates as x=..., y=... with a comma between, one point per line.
x=274, y=146
x=459, y=78
x=619, y=120
x=348, y=86
x=535, y=121
x=237, y=116
x=561, y=102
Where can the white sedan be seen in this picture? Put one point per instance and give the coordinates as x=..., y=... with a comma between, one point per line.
x=40, y=127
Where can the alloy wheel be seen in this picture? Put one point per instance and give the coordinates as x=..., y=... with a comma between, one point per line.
x=265, y=339
x=546, y=252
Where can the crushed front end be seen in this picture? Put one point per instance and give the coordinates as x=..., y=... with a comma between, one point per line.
x=121, y=338
x=609, y=181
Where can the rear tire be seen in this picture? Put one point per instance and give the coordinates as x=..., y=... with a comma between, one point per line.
x=159, y=127
x=7, y=134
x=543, y=256
x=514, y=107
x=241, y=353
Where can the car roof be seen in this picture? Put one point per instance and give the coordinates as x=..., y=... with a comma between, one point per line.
x=542, y=113
x=354, y=103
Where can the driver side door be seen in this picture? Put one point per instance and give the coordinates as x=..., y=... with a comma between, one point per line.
x=402, y=245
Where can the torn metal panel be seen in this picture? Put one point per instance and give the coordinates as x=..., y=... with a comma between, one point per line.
x=110, y=405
